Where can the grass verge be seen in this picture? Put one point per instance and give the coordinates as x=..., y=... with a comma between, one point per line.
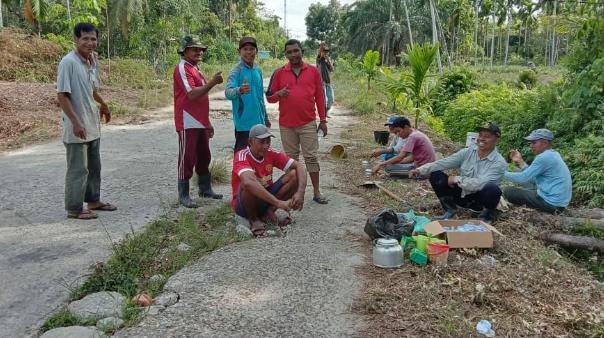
x=154, y=251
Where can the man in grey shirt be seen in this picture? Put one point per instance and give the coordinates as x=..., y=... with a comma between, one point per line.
x=481, y=169
x=77, y=88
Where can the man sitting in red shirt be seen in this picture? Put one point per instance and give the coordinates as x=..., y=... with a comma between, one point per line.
x=255, y=195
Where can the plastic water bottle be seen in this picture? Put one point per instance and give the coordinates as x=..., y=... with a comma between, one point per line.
x=320, y=135
x=484, y=328
x=366, y=168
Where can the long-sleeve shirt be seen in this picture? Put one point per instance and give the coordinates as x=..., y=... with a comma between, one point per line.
x=305, y=92
x=475, y=173
x=249, y=108
x=551, y=175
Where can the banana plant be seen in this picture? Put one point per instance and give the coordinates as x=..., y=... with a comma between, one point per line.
x=370, y=66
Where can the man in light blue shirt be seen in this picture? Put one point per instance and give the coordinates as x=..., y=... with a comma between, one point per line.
x=245, y=89
x=548, y=173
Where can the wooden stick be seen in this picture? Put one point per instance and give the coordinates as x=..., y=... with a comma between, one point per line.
x=389, y=193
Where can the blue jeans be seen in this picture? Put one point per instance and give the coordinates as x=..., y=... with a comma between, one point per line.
x=328, y=91
x=386, y=157
x=262, y=206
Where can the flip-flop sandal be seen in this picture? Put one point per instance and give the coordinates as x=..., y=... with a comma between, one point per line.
x=83, y=215
x=320, y=199
x=285, y=222
x=105, y=207
x=260, y=233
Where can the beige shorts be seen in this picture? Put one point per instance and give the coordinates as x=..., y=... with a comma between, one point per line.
x=305, y=138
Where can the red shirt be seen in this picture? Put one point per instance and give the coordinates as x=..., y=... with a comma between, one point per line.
x=189, y=114
x=420, y=146
x=263, y=169
x=305, y=91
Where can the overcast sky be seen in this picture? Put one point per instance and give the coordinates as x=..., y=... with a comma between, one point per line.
x=296, y=12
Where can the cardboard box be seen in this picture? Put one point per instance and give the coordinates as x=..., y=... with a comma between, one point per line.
x=481, y=239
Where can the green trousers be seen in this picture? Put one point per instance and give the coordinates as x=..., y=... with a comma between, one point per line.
x=83, y=177
x=529, y=198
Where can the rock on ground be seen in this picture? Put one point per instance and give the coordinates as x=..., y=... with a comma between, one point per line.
x=110, y=323
x=73, y=332
x=98, y=305
x=167, y=299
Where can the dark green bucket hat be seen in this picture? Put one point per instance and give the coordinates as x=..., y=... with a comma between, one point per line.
x=190, y=42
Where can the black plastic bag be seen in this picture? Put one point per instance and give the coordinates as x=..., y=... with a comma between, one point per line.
x=387, y=224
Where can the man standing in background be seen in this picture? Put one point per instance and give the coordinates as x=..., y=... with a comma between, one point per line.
x=245, y=89
x=77, y=91
x=192, y=121
x=325, y=65
x=298, y=88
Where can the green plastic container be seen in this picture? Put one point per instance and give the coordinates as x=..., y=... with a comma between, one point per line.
x=407, y=243
x=418, y=257
x=422, y=243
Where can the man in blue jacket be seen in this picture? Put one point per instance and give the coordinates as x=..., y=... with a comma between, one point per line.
x=548, y=173
x=245, y=89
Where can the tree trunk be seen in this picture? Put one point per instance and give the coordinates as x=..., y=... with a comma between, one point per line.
x=507, y=39
x=1, y=20
x=435, y=37
x=485, y=45
x=493, y=40
x=408, y=22
x=574, y=242
x=476, y=8
x=108, y=41
x=553, y=49
x=526, y=56
x=68, y=10
x=443, y=38
x=567, y=223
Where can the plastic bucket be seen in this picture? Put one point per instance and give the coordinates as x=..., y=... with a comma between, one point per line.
x=338, y=151
x=438, y=253
x=381, y=137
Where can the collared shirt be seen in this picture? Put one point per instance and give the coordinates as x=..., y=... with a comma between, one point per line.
x=248, y=109
x=189, y=114
x=305, y=92
x=551, y=175
x=397, y=144
x=79, y=79
x=475, y=173
x=244, y=161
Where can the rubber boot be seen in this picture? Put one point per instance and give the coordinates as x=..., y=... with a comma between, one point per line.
x=183, y=194
x=486, y=215
x=205, y=188
x=448, y=203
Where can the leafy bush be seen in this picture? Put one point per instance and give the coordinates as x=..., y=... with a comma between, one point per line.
x=527, y=78
x=517, y=112
x=453, y=83
x=582, y=104
x=586, y=162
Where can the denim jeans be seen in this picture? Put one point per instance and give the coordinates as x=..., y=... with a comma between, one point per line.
x=83, y=177
x=328, y=91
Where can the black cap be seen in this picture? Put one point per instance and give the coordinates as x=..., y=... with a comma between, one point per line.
x=247, y=40
x=400, y=122
x=490, y=127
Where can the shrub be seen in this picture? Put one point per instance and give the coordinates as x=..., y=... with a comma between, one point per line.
x=516, y=112
x=453, y=83
x=527, y=78
x=586, y=160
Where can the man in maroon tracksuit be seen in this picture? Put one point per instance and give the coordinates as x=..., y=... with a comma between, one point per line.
x=192, y=120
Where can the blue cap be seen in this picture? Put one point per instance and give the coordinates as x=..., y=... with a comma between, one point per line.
x=401, y=122
x=390, y=120
x=540, y=134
